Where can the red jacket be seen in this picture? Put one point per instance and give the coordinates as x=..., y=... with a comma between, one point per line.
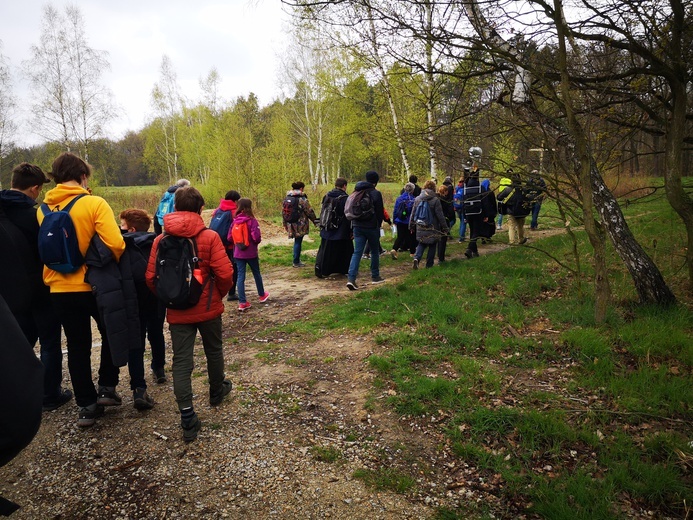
x=212, y=255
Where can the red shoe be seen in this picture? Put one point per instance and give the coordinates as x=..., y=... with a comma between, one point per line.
x=244, y=306
x=264, y=297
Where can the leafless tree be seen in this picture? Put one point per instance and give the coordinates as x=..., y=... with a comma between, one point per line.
x=8, y=127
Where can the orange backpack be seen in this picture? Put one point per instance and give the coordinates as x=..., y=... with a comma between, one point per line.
x=240, y=235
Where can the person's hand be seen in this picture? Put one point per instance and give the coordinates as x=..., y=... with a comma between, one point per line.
x=389, y=221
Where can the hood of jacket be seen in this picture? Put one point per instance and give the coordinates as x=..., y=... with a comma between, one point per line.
x=485, y=184
x=183, y=224
x=364, y=185
x=334, y=193
x=172, y=189
x=428, y=195
x=226, y=205
x=241, y=218
x=62, y=192
x=16, y=199
x=142, y=239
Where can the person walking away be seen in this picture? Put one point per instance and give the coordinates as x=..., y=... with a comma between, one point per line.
x=167, y=204
x=449, y=196
x=458, y=206
x=246, y=252
x=216, y=275
x=135, y=223
x=71, y=296
x=366, y=228
x=297, y=216
x=449, y=212
x=489, y=210
x=517, y=207
x=336, y=246
x=405, y=240
x=537, y=186
x=473, y=211
x=222, y=221
x=428, y=221
x=38, y=320
x=502, y=208
x=417, y=189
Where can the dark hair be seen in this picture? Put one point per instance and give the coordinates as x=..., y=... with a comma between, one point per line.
x=298, y=185
x=68, y=167
x=188, y=199
x=245, y=206
x=413, y=179
x=340, y=182
x=232, y=195
x=136, y=218
x=26, y=175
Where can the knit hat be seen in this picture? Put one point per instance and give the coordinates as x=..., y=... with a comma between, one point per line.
x=372, y=177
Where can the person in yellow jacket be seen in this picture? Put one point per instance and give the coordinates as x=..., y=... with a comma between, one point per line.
x=72, y=297
x=504, y=183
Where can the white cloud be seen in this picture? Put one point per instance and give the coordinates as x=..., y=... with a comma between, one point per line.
x=241, y=38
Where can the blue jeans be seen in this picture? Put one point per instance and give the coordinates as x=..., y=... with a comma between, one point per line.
x=430, y=257
x=254, y=264
x=298, y=242
x=361, y=236
x=463, y=224
x=499, y=220
x=535, y=215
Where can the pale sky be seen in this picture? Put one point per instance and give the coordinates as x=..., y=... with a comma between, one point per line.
x=243, y=39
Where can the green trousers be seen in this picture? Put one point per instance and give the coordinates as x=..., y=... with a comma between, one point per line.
x=183, y=341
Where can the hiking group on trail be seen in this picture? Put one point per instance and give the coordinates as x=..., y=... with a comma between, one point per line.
x=71, y=262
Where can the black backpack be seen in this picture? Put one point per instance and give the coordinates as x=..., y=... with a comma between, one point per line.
x=290, y=209
x=330, y=216
x=472, y=200
x=178, y=282
x=57, y=240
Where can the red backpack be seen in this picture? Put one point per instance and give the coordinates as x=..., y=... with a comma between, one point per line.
x=240, y=235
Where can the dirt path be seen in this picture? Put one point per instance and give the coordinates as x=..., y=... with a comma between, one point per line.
x=268, y=451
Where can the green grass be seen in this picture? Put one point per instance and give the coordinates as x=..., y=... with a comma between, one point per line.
x=386, y=479
x=507, y=348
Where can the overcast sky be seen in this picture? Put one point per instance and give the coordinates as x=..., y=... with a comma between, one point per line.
x=243, y=39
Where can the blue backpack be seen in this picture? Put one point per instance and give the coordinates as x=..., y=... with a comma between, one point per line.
x=166, y=206
x=57, y=240
x=423, y=215
x=403, y=207
x=458, y=198
x=221, y=223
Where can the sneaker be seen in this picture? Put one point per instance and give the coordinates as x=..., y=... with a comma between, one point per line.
x=351, y=285
x=108, y=397
x=461, y=241
x=64, y=396
x=232, y=297
x=142, y=400
x=367, y=257
x=217, y=396
x=415, y=265
x=393, y=254
x=159, y=375
x=243, y=306
x=264, y=297
x=88, y=415
x=498, y=227
x=190, y=428
x=378, y=279
x=383, y=253
x=300, y=264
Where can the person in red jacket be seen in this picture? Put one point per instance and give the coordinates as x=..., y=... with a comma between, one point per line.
x=204, y=317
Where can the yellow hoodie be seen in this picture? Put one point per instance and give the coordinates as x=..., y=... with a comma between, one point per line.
x=90, y=215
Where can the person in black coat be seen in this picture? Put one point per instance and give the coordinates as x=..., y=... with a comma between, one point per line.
x=38, y=320
x=336, y=246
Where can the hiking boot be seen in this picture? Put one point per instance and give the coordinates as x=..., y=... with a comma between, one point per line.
x=475, y=254
x=415, y=265
x=159, y=375
x=190, y=427
x=217, y=396
x=351, y=285
x=264, y=297
x=108, y=397
x=378, y=279
x=88, y=415
x=64, y=396
x=300, y=264
x=142, y=400
x=393, y=254
x=468, y=254
x=244, y=306
x=232, y=297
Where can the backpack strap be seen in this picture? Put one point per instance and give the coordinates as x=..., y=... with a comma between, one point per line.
x=46, y=209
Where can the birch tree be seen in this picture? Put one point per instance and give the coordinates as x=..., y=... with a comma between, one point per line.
x=8, y=127
x=167, y=104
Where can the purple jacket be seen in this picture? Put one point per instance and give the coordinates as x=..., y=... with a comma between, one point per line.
x=254, y=239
